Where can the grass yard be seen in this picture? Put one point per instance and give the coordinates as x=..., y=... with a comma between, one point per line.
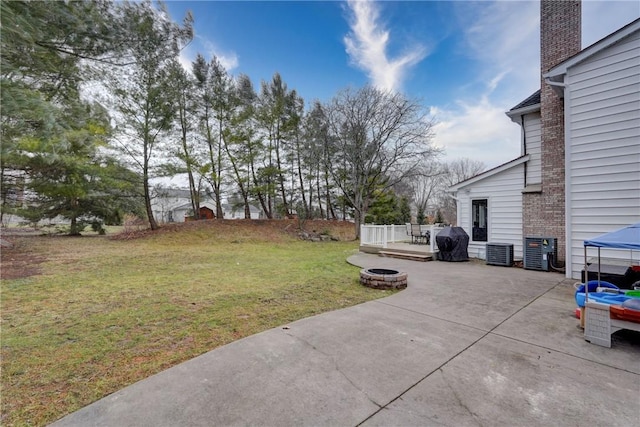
x=91, y=315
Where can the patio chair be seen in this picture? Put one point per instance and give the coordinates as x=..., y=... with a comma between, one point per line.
x=416, y=234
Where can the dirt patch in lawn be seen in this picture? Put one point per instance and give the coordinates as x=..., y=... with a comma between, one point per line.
x=18, y=259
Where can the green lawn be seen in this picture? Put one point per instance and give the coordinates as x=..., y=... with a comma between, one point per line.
x=105, y=313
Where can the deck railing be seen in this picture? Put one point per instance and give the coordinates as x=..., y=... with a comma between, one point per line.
x=382, y=235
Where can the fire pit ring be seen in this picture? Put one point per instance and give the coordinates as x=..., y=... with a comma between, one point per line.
x=383, y=278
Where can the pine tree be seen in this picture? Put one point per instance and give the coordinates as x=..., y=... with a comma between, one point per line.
x=142, y=90
x=51, y=137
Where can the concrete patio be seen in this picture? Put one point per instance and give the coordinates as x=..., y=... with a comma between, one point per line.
x=464, y=344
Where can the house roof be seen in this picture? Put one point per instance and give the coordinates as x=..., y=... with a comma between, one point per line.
x=187, y=206
x=167, y=192
x=557, y=72
x=489, y=173
x=240, y=208
x=534, y=99
x=212, y=206
x=529, y=105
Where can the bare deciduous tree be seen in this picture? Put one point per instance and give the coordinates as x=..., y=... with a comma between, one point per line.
x=462, y=169
x=455, y=171
x=379, y=139
x=425, y=185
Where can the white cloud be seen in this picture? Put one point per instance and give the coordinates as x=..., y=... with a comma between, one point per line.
x=367, y=45
x=479, y=131
x=494, y=82
x=208, y=49
x=503, y=38
x=185, y=61
x=228, y=59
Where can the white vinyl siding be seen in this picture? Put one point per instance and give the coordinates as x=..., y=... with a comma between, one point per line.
x=533, y=137
x=602, y=101
x=503, y=192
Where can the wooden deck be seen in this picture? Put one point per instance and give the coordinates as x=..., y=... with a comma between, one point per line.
x=412, y=251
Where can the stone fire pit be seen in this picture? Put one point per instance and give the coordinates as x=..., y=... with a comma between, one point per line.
x=383, y=278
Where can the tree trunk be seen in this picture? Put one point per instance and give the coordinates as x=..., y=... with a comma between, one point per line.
x=255, y=182
x=328, y=196
x=319, y=193
x=215, y=173
x=357, y=220
x=285, y=206
x=243, y=189
x=195, y=196
x=269, y=181
x=302, y=192
x=145, y=186
x=147, y=203
x=4, y=193
x=247, y=208
x=73, y=228
x=218, y=181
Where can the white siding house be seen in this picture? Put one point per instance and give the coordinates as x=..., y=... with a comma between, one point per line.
x=174, y=205
x=532, y=146
x=489, y=207
x=601, y=90
x=527, y=115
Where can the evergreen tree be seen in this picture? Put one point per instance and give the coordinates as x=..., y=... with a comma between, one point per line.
x=319, y=157
x=207, y=77
x=52, y=139
x=69, y=175
x=185, y=151
x=405, y=210
x=142, y=90
x=420, y=215
x=386, y=207
x=240, y=141
x=277, y=115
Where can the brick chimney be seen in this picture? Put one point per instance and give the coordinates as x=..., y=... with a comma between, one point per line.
x=560, y=38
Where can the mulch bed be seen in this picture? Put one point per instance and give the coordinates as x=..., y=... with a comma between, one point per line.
x=340, y=230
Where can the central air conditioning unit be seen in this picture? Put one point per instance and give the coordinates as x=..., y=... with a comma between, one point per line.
x=500, y=254
x=538, y=252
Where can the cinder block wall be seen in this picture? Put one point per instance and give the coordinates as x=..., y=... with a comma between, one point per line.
x=560, y=38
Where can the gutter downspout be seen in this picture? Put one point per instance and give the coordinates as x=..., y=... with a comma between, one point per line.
x=524, y=147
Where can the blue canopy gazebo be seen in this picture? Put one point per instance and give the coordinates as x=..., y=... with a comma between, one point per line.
x=624, y=238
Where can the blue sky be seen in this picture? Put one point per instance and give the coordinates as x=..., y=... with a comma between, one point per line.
x=466, y=61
